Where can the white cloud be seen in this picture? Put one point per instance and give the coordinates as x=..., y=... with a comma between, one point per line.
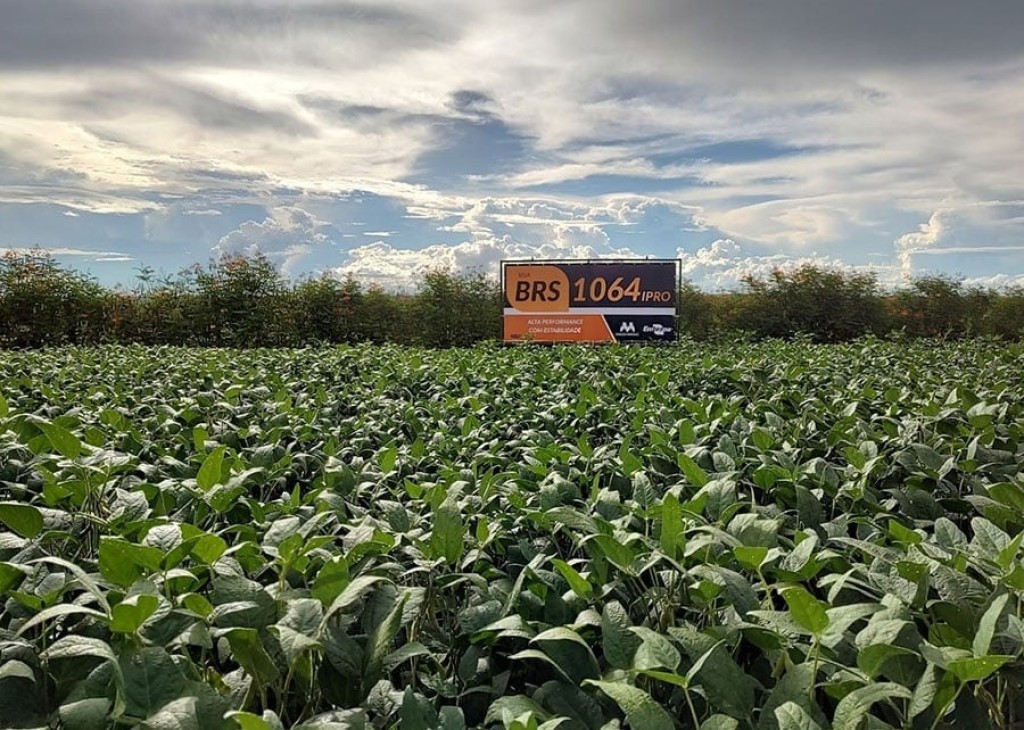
x=723, y=265
x=401, y=269
x=966, y=230
x=61, y=251
x=927, y=235
x=996, y=281
x=226, y=101
x=285, y=237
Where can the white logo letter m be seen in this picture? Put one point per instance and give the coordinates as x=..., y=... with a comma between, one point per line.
x=627, y=327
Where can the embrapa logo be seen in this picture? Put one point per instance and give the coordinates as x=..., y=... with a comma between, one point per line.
x=657, y=329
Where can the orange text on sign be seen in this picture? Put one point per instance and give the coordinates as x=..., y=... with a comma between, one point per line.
x=537, y=288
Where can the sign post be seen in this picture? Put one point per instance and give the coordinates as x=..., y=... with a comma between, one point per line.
x=629, y=300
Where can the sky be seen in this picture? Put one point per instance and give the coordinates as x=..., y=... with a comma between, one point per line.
x=381, y=139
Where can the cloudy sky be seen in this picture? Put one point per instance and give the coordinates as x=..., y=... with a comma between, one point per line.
x=378, y=138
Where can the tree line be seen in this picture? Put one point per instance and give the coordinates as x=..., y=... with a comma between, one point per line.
x=244, y=301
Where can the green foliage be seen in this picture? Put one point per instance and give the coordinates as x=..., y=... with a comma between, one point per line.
x=243, y=301
x=936, y=306
x=1005, y=315
x=238, y=301
x=457, y=311
x=44, y=304
x=741, y=536
x=827, y=305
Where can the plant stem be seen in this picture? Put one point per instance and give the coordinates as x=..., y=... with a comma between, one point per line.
x=693, y=711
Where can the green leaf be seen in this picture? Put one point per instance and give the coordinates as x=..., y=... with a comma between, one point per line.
x=11, y=576
x=87, y=582
x=618, y=553
x=514, y=706
x=872, y=659
x=698, y=665
x=568, y=649
x=572, y=518
x=343, y=652
x=841, y=618
x=72, y=647
x=249, y=721
x=23, y=519
x=14, y=669
x=976, y=669
x=762, y=439
x=58, y=611
x=416, y=713
x=4, y=407
x=791, y=716
x=736, y=587
x=640, y=708
x=378, y=644
x=352, y=593
x=948, y=536
x=928, y=457
x=693, y=473
x=122, y=562
x=1008, y=493
x=210, y=472
x=750, y=557
x=655, y=651
x=987, y=626
x=720, y=722
x=671, y=532
x=448, y=534
x=807, y=611
x=209, y=548
x=793, y=689
x=643, y=490
x=1008, y=555
x=331, y=580
x=451, y=718
x=179, y=714
x=728, y=687
x=65, y=442
x=802, y=555
x=855, y=706
x=577, y=582
x=150, y=680
x=248, y=651
x=618, y=643
x=543, y=657
x=903, y=535
x=88, y=714
x=128, y=616
x=721, y=495
x=570, y=702
x=387, y=459
x=303, y=615
x=925, y=691
x=199, y=438
x=989, y=541
x=670, y=677
x=403, y=654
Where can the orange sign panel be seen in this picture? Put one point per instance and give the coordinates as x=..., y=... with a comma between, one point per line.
x=537, y=288
x=557, y=328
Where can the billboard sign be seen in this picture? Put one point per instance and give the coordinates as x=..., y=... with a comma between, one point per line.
x=590, y=301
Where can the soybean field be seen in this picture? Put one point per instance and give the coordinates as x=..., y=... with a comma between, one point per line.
x=731, y=536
